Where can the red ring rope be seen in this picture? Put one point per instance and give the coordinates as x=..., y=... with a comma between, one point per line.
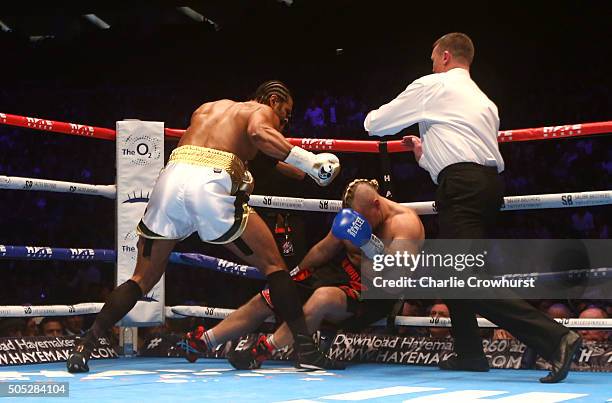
x=364, y=146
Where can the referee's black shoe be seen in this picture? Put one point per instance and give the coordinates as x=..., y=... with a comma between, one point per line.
x=562, y=359
x=476, y=364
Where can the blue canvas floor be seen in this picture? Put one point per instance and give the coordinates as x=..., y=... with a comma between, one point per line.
x=175, y=380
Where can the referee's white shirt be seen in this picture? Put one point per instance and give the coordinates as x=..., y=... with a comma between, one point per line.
x=457, y=121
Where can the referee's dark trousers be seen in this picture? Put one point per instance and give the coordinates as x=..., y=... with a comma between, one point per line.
x=468, y=200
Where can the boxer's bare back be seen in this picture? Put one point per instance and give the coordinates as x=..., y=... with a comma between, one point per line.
x=233, y=127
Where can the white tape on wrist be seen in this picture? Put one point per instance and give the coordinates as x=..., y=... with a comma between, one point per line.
x=301, y=159
x=373, y=247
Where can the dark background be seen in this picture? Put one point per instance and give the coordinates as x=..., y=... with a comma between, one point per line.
x=543, y=63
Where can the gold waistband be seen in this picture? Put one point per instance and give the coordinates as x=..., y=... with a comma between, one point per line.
x=209, y=157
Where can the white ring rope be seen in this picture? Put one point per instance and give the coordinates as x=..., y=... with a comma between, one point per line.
x=184, y=311
x=527, y=202
x=19, y=183
x=424, y=321
x=26, y=311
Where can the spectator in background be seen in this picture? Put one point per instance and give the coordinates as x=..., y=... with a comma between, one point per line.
x=410, y=308
x=557, y=310
x=502, y=334
x=31, y=327
x=560, y=311
x=607, y=165
x=593, y=312
x=356, y=118
x=439, y=311
x=51, y=327
x=73, y=325
x=330, y=107
x=578, y=305
x=582, y=223
x=315, y=118
x=544, y=304
x=602, y=229
x=11, y=327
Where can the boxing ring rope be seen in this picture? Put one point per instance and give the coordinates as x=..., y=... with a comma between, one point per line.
x=45, y=185
x=110, y=256
x=184, y=311
x=220, y=265
x=364, y=146
x=224, y=266
x=526, y=202
x=560, y=200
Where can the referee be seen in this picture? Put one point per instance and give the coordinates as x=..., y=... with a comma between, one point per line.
x=458, y=126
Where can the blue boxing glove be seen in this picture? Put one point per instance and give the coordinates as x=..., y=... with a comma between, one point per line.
x=351, y=226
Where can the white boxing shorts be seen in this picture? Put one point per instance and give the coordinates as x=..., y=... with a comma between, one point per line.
x=200, y=189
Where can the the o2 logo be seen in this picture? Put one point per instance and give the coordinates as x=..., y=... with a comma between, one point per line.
x=324, y=205
x=142, y=149
x=267, y=201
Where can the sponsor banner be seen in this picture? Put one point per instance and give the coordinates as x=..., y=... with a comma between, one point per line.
x=36, y=350
x=407, y=350
x=140, y=158
x=593, y=356
x=390, y=349
x=489, y=269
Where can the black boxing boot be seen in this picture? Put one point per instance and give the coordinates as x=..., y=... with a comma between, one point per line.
x=310, y=357
x=79, y=357
x=252, y=357
x=118, y=304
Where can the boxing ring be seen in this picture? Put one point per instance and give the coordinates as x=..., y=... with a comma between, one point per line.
x=171, y=379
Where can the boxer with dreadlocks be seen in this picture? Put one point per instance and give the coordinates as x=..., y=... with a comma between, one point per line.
x=205, y=188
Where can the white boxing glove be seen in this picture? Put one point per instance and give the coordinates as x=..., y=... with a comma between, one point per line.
x=323, y=168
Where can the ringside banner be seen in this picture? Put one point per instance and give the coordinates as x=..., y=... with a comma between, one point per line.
x=406, y=350
x=36, y=350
